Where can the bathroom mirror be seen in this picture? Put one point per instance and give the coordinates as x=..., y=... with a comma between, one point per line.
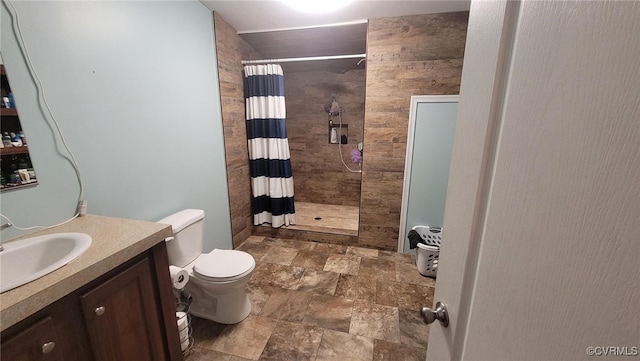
x=16, y=169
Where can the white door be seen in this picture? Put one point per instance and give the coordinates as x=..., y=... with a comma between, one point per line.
x=542, y=255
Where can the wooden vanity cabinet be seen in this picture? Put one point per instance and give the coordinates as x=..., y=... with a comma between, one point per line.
x=121, y=317
x=36, y=342
x=124, y=315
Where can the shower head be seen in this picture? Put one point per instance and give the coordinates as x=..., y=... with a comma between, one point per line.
x=332, y=106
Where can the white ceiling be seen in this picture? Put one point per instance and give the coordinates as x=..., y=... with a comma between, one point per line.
x=264, y=15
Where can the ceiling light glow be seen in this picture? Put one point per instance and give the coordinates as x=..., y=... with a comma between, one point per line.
x=317, y=6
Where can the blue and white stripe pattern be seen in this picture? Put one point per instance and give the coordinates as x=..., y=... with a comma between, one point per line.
x=269, y=156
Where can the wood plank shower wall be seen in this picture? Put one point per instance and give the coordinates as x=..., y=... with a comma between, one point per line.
x=410, y=55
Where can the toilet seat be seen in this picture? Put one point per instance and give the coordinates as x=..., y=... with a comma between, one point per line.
x=223, y=265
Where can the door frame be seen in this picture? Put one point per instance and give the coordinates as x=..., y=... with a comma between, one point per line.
x=415, y=100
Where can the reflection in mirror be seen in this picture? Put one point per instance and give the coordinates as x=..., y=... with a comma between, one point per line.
x=17, y=170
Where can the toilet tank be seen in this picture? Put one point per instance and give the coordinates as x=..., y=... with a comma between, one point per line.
x=187, y=241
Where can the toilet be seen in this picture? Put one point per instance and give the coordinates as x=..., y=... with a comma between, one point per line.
x=217, y=279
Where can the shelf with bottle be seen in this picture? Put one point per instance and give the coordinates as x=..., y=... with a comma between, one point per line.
x=14, y=150
x=16, y=181
x=17, y=171
x=9, y=112
x=13, y=143
x=338, y=133
x=16, y=167
x=7, y=103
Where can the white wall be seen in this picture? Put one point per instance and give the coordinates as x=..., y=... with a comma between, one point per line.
x=134, y=88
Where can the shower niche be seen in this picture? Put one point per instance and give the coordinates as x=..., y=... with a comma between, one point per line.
x=338, y=133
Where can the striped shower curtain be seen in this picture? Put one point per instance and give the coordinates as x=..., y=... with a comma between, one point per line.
x=269, y=157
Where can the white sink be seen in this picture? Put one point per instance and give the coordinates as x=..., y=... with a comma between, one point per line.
x=25, y=260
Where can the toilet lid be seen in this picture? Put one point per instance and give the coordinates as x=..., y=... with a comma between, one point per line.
x=222, y=264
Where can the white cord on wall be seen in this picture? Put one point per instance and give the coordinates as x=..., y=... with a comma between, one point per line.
x=340, y=146
x=46, y=110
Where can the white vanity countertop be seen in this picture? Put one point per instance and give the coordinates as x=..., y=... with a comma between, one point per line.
x=115, y=241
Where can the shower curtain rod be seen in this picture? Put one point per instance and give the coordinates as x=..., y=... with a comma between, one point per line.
x=308, y=58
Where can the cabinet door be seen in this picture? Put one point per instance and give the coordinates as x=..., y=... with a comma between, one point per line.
x=37, y=342
x=122, y=317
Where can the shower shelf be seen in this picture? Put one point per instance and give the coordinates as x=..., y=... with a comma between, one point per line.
x=341, y=130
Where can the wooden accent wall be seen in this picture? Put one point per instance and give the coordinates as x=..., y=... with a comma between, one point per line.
x=318, y=173
x=231, y=49
x=410, y=55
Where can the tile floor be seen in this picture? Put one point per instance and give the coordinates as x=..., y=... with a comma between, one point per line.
x=333, y=218
x=317, y=301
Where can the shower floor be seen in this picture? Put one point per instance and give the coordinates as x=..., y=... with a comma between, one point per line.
x=333, y=218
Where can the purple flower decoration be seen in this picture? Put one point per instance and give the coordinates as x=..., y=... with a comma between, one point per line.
x=356, y=156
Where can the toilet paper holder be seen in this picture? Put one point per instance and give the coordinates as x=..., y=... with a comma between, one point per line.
x=179, y=277
x=183, y=321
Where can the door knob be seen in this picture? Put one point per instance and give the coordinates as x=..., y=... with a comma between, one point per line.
x=440, y=314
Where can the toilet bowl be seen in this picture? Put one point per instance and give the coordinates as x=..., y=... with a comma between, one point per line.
x=217, y=283
x=217, y=279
